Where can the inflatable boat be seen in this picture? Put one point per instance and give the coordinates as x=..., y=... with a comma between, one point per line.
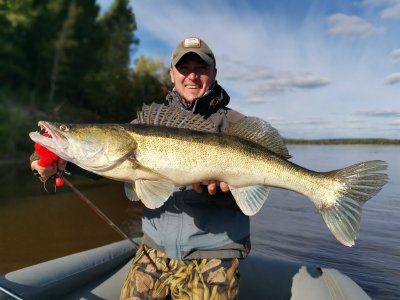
x=99, y=273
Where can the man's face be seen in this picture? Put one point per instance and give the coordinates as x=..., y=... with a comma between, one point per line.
x=192, y=76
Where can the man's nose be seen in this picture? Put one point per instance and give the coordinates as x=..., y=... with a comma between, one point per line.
x=193, y=75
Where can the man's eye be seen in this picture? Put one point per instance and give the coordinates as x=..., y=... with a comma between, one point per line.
x=182, y=68
x=181, y=65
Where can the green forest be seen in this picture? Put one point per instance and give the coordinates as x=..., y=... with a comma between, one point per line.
x=63, y=60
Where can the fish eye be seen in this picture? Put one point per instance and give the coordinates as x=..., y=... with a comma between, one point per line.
x=64, y=127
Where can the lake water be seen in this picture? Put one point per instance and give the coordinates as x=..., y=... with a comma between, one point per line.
x=289, y=227
x=36, y=227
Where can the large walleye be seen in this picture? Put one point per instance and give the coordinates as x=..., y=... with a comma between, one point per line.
x=169, y=147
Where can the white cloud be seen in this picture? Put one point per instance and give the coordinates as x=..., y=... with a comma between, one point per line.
x=395, y=53
x=268, y=81
x=241, y=70
x=284, y=82
x=391, y=13
x=393, y=78
x=351, y=26
x=379, y=113
x=392, y=10
x=254, y=100
x=257, y=83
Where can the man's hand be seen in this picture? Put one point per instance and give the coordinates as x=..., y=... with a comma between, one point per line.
x=212, y=187
x=48, y=171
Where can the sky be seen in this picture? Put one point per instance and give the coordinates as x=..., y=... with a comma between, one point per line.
x=312, y=68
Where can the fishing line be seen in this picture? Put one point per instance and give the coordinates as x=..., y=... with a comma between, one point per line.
x=99, y=212
x=10, y=294
x=106, y=219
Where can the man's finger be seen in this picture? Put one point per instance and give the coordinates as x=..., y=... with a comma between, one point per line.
x=197, y=187
x=212, y=187
x=61, y=164
x=224, y=186
x=47, y=172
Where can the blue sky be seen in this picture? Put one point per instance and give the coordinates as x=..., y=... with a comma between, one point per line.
x=313, y=69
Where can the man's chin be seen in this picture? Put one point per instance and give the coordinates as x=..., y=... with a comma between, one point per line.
x=189, y=97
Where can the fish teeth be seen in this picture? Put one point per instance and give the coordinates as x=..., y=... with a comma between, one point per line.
x=42, y=129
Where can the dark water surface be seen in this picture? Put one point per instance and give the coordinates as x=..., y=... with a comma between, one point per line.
x=35, y=227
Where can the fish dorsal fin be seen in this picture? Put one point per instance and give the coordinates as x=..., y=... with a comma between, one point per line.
x=173, y=116
x=261, y=132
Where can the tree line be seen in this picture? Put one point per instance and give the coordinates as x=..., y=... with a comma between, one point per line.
x=350, y=141
x=63, y=60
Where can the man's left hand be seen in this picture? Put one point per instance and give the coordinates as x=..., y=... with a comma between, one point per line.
x=212, y=187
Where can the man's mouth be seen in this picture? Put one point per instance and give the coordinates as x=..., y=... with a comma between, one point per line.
x=192, y=86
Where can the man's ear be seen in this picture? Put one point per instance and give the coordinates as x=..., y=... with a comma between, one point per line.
x=171, y=76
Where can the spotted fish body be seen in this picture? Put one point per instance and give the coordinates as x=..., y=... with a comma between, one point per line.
x=168, y=147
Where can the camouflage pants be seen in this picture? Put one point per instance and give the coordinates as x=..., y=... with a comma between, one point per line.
x=154, y=276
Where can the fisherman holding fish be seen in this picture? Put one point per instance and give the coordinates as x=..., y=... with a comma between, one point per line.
x=192, y=244
x=201, y=169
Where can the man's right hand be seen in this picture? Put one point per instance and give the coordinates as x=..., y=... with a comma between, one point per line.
x=48, y=171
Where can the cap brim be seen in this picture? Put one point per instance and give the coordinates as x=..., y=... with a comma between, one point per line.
x=202, y=55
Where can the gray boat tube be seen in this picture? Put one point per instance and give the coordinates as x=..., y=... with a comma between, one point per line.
x=99, y=274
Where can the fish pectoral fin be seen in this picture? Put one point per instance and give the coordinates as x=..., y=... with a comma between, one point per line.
x=153, y=193
x=130, y=191
x=250, y=199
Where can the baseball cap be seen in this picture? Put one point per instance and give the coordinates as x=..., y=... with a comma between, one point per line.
x=195, y=45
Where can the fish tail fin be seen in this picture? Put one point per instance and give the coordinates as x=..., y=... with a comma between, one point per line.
x=354, y=186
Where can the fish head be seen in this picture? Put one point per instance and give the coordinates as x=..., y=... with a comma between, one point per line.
x=94, y=147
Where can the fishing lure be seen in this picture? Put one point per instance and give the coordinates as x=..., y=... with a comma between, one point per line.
x=48, y=158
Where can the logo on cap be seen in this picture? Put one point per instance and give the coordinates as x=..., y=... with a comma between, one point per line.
x=192, y=43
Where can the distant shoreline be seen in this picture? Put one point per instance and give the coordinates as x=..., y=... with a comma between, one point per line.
x=24, y=158
x=377, y=141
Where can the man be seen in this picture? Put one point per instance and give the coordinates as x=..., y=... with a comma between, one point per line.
x=191, y=244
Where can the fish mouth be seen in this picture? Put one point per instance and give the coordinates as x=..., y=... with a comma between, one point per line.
x=50, y=137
